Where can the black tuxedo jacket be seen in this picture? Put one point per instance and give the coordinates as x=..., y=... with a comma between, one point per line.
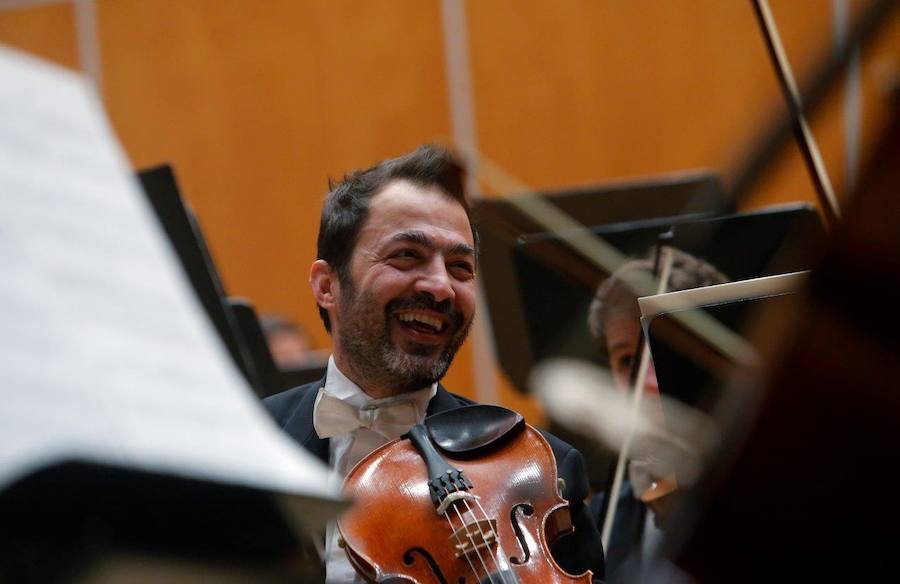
x=623, y=552
x=577, y=552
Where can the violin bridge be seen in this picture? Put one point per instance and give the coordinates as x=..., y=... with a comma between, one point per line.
x=451, y=498
x=474, y=536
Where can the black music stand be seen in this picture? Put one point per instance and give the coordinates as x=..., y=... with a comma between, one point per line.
x=539, y=290
x=275, y=379
x=688, y=368
x=186, y=237
x=66, y=521
x=555, y=286
x=503, y=229
x=303, y=374
x=556, y=294
x=247, y=321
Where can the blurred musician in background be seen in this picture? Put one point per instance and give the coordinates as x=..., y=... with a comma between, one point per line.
x=614, y=320
x=290, y=344
x=395, y=282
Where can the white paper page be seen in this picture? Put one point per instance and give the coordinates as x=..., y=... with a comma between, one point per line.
x=720, y=293
x=105, y=353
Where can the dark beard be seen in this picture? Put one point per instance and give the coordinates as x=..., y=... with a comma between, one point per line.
x=374, y=357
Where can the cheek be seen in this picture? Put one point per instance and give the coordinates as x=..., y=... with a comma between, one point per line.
x=620, y=371
x=387, y=286
x=465, y=299
x=621, y=379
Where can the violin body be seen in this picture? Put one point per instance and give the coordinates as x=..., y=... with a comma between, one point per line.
x=394, y=533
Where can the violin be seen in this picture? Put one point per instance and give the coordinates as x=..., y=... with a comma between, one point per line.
x=470, y=496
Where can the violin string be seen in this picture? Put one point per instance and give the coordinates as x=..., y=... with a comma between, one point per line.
x=500, y=569
x=459, y=541
x=502, y=566
x=500, y=550
x=462, y=522
x=487, y=572
x=483, y=539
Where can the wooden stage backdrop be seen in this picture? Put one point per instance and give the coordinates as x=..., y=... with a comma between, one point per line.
x=257, y=103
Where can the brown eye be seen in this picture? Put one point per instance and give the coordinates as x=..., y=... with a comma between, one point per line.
x=624, y=362
x=405, y=258
x=464, y=268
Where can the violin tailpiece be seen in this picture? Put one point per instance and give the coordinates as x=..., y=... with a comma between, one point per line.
x=443, y=478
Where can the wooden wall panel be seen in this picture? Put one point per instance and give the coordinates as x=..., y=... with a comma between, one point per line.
x=880, y=82
x=257, y=104
x=44, y=30
x=579, y=92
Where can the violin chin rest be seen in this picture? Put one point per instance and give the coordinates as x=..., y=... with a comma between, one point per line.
x=469, y=429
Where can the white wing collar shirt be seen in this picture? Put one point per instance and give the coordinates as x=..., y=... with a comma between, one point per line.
x=358, y=424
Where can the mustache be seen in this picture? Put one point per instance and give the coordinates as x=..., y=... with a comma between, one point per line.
x=425, y=301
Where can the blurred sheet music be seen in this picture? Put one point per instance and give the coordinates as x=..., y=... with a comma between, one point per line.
x=105, y=354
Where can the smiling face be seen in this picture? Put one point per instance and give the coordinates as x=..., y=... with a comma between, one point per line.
x=405, y=310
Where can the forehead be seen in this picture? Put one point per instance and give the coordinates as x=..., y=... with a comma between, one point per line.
x=622, y=326
x=404, y=206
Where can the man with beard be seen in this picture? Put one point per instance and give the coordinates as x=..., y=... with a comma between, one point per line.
x=395, y=285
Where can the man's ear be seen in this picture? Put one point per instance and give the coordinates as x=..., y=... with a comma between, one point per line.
x=324, y=283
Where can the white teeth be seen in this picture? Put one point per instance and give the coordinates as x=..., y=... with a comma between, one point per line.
x=424, y=319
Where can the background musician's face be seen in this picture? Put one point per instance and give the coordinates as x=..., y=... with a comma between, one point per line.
x=410, y=299
x=622, y=330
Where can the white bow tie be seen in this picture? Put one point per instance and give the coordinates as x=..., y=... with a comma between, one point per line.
x=332, y=417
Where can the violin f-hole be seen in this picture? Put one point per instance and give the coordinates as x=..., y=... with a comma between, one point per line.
x=409, y=560
x=527, y=510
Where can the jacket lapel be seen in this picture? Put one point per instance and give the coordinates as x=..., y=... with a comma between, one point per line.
x=442, y=401
x=300, y=425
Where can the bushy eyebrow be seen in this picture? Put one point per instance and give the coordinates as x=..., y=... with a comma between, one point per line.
x=419, y=238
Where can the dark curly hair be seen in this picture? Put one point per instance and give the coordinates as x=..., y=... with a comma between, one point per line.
x=614, y=296
x=346, y=206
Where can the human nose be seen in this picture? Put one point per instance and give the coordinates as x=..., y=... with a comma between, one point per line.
x=436, y=282
x=651, y=385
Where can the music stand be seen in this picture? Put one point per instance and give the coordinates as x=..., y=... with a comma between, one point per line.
x=301, y=375
x=83, y=515
x=502, y=228
x=688, y=368
x=247, y=321
x=275, y=379
x=125, y=429
x=556, y=286
x=743, y=245
x=539, y=290
x=161, y=187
